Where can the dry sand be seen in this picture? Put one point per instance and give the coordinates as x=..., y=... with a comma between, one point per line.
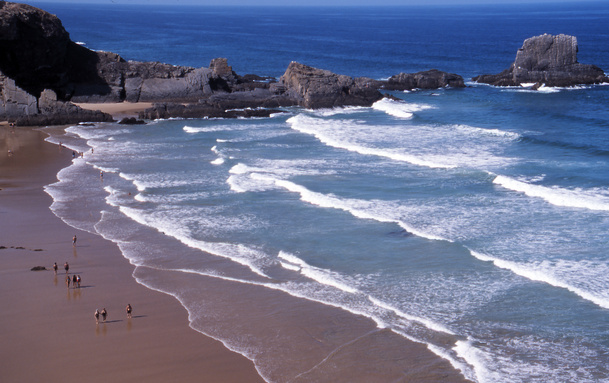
x=48, y=331
x=118, y=110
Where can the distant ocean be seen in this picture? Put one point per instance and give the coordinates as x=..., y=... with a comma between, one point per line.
x=474, y=221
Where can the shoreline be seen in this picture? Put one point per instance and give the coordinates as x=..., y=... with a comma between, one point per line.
x=48, y=331
x=356, y=350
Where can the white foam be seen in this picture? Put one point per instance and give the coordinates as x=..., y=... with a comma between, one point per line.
x=593, y=199
x=374, y=210
x=399, y=109
x=217, y=161
x=478, y=360
x=465, y=368
x=585, y=279
x=425, y=322
x=238, y=253
x=338, y=110
x=316, y=128
x=325, y=277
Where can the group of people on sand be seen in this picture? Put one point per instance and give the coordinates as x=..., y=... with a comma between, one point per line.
x=104, y=313
x=75, y=280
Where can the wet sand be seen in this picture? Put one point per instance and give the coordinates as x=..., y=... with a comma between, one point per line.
x=48, y=331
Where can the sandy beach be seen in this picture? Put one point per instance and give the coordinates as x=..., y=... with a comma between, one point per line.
x=48, y=331
x=118, y=110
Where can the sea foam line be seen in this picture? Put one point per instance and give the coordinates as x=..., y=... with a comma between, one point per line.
x=237, y=253
x=556, y=196
x=399, y=109
x=357, y=208
x=322, y=276
x=425, y=322
x=306, y=125
x=535, y=272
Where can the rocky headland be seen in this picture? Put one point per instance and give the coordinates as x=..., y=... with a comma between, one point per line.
x=547, y=60
x=43, y=73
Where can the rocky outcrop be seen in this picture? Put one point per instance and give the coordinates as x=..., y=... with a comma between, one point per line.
x=430, y=79
x=549, y=60
x=44, y=72
x=316, y=88
x=22, y=108
x=33, y=46
x=202, y=110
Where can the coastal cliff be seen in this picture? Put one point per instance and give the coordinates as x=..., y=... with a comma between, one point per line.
x=43, y=72
x=549, y=60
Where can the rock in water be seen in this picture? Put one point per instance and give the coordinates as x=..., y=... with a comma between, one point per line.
x=430, y=79
x=549, y=60
x=316, y=88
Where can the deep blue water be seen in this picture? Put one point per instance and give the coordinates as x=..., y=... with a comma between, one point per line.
x=473, y=220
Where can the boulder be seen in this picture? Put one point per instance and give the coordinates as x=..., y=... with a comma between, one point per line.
x=202, y=110
x=430, y=79
x=316, y=88
x=549, y=60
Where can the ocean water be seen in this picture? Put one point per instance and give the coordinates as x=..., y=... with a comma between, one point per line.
x=474, y=221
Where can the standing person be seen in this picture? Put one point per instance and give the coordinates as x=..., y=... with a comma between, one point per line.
x=129, y=310
x=74, y=280
x=66, y=267
x=68, y=281
x=96, y=316
x=55, y=267
x=78, y=280
x=104, y=313
x=74, y=240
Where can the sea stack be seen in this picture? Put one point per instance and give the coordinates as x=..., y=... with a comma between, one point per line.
x=317, y=88
x=549, y=60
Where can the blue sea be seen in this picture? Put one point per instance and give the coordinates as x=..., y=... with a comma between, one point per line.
x=473, y=221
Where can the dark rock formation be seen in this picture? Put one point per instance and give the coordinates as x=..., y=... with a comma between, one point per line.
x=202, y=110
x=549, y=60
x=38, y=268
x=317, y=88
x=131, y=121
x=42, y=72
x=33, y=46
x=22, y=108
x=430, y=79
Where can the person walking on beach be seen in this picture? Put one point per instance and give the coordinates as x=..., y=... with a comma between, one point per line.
x=74, y=280
x=68, y=281
x=74, y=240
x=103, y=314
x=55, y=267
x=78, y=280
x=129, y=310
x=96, y=316
x=66, y=267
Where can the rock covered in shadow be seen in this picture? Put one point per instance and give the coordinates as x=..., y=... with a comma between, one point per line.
x=131, y=121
